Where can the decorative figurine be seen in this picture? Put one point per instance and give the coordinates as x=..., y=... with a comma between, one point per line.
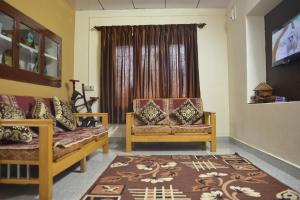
x=263, y=93
x=29, y=40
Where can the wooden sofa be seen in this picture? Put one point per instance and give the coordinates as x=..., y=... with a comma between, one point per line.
x=169, y=130
x=50, y=153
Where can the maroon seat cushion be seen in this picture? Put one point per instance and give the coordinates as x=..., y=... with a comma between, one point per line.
x=63, y=142
x=151, y=129
x=191, y=129
x=26, y=103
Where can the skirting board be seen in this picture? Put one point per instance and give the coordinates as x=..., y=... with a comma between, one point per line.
x=122, y=139
x=115, y=140
x=285, y=166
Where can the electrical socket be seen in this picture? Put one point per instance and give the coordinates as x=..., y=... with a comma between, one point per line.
x=89, y=88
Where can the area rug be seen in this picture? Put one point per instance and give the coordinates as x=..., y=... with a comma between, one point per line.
x=186, y=177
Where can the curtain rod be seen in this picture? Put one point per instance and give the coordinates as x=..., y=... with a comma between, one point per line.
x=200, y=25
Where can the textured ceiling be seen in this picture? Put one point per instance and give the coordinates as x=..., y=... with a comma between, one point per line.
x=145, y=4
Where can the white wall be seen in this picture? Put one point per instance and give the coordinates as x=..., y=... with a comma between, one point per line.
x=212, y=44
x=273, y=128
x=256, y=54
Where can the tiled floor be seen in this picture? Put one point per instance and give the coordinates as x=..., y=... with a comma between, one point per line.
x=70, y=185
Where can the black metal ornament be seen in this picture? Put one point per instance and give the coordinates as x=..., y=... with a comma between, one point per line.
x=78, y=105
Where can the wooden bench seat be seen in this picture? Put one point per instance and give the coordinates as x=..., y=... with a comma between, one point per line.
x=168, y=129
x=47, y=157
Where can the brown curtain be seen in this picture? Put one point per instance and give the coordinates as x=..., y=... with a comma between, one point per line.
x=116, y=72
x=166, y=63
x=153, y=61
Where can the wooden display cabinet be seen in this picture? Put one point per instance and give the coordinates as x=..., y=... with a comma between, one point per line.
x=28, y=51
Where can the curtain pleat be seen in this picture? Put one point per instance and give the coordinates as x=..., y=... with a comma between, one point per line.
x=151, y=61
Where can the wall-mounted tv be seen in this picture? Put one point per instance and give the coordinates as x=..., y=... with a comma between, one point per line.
x=286, y=42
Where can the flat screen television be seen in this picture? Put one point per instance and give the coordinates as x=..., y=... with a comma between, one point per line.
x=286, y=42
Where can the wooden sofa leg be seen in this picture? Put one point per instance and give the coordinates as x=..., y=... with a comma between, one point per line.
x=45, y=192
x=213, y=142
x=129, y=124
x=128, y=146
x=45, y=163
x=213, y=146
x=105, y=147
x=83, y=165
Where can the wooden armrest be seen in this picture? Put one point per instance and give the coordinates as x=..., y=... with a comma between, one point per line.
x=209, y=118
x=90, y=114
x=129, y=122
x=129, y=118
x=27, y=122
x=209, y=112
x=129, y=114
x=103, y=116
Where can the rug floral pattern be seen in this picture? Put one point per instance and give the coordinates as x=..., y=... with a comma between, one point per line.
x=184, y=177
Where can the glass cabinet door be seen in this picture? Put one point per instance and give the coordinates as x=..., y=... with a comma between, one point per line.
x=29, y=49
x=6, y=35
x=51, y=58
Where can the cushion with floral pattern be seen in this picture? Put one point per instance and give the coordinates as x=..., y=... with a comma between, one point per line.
x=63, y=114
x=150, y=113
x=187, y=113
x=40, y=111
x=13, y=133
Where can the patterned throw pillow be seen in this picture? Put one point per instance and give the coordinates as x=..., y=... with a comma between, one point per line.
x=63, y=114
x=40, y=111
x=14, y=133
x=150, y=113
x=187, y=113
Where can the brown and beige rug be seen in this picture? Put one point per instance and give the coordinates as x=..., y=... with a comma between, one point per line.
x=184, y=177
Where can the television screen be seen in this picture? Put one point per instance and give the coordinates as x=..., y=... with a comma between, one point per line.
x=286, y=42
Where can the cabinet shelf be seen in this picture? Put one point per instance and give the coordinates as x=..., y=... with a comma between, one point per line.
x=32, y=50
x=49, y=56
x=5, y=38
x=5, y=42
